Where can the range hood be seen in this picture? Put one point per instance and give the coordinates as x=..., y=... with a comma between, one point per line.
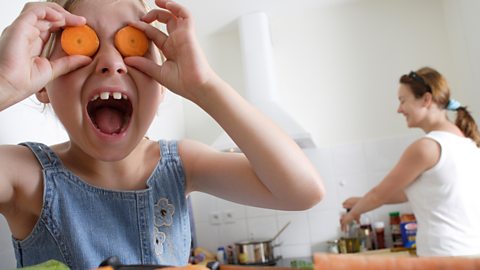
x=260, y=82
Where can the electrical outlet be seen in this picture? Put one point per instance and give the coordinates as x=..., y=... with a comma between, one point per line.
x=215, y=218
x=228, y=217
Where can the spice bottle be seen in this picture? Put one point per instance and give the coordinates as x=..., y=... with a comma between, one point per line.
x=379, y=229
x=395, y=229
x=221, y=255
x=365, y=234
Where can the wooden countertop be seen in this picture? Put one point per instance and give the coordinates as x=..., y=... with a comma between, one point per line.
x=245, y=267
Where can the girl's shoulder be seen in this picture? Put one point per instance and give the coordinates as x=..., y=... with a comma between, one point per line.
x=18, y=158
x=21, y=186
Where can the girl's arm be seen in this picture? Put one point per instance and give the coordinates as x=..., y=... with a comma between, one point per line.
x=272, y=171
x=23, y=72
x=417, y=158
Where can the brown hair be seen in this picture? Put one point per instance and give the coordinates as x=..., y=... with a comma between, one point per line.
x=429, y=80
x=69, y=4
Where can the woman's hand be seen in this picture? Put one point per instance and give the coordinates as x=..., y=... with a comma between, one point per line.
x=185, y=69
x=23, y=71
x=350, y=202
x=347, y=219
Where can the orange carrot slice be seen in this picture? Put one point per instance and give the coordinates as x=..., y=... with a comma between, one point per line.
x=131, y=42
x=79, y=40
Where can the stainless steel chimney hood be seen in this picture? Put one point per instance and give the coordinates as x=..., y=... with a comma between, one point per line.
x=260, y=81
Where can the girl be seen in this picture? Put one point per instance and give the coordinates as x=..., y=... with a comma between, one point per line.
x=109, y=190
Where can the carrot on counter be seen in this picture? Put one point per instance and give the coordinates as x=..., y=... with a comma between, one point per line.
x=131, y=42
x=79, y=40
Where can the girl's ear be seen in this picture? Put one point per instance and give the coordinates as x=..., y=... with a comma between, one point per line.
x=42, y=96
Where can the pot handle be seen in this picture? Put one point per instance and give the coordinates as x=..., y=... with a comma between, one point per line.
x=281, y=230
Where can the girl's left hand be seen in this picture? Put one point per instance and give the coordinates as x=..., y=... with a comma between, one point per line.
x=185, y=69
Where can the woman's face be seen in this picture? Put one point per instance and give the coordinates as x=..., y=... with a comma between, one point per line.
x=106, y=107
x=411, y=107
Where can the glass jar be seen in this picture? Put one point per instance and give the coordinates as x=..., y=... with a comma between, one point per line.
x=332, y=246
x=395, y=229
x=379, y=229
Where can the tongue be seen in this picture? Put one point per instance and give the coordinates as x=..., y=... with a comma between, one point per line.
x=109, y=120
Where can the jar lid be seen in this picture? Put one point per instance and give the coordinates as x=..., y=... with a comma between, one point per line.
x=379, y=224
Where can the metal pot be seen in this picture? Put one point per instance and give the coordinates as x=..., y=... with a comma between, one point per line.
x=255, y=252
x=258, y=252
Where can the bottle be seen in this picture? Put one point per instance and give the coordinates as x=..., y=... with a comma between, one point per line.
x=231, y=256
x=332, y=246
x=379, y=228
x=352, y=238
x=342, y=245
x=221, y=255
x=365, y=234
x=395, y=229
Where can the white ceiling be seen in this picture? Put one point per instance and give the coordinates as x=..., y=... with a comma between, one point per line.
x=212, y=16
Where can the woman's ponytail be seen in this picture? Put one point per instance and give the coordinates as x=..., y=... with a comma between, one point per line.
x=467, y=124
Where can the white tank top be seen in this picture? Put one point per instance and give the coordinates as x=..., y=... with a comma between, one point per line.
x=446, y=199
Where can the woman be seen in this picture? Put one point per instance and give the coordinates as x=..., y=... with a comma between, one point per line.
x=439, y=174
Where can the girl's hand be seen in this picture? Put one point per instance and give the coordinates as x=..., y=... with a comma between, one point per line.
x=185, y=68
x=23, y=71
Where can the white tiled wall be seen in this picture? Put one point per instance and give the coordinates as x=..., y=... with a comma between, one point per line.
x=348, y=170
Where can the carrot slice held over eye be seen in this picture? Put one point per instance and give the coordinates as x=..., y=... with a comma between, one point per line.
x=131, y=42
x=79, y=40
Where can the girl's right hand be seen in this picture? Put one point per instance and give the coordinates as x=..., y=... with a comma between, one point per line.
x=23, y=71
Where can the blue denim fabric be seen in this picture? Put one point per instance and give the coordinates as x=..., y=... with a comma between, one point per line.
x=81, y=225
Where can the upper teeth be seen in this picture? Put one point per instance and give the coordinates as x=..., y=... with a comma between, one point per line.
x=106, y=95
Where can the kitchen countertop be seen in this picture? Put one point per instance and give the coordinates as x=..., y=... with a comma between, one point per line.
x=307, y=262
x=283, y=263
x=251, y=267
x=342, y=262
x=381, y=260
x=394, y=252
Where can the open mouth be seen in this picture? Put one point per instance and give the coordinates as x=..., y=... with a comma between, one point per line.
x=110, y=112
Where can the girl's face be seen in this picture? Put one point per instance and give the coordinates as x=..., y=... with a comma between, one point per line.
x=106, y=107
x=412, y=108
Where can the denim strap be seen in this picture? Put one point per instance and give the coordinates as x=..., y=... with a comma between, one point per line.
x=44, y=154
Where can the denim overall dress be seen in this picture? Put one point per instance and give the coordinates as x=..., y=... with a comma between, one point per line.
x=81, y=225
